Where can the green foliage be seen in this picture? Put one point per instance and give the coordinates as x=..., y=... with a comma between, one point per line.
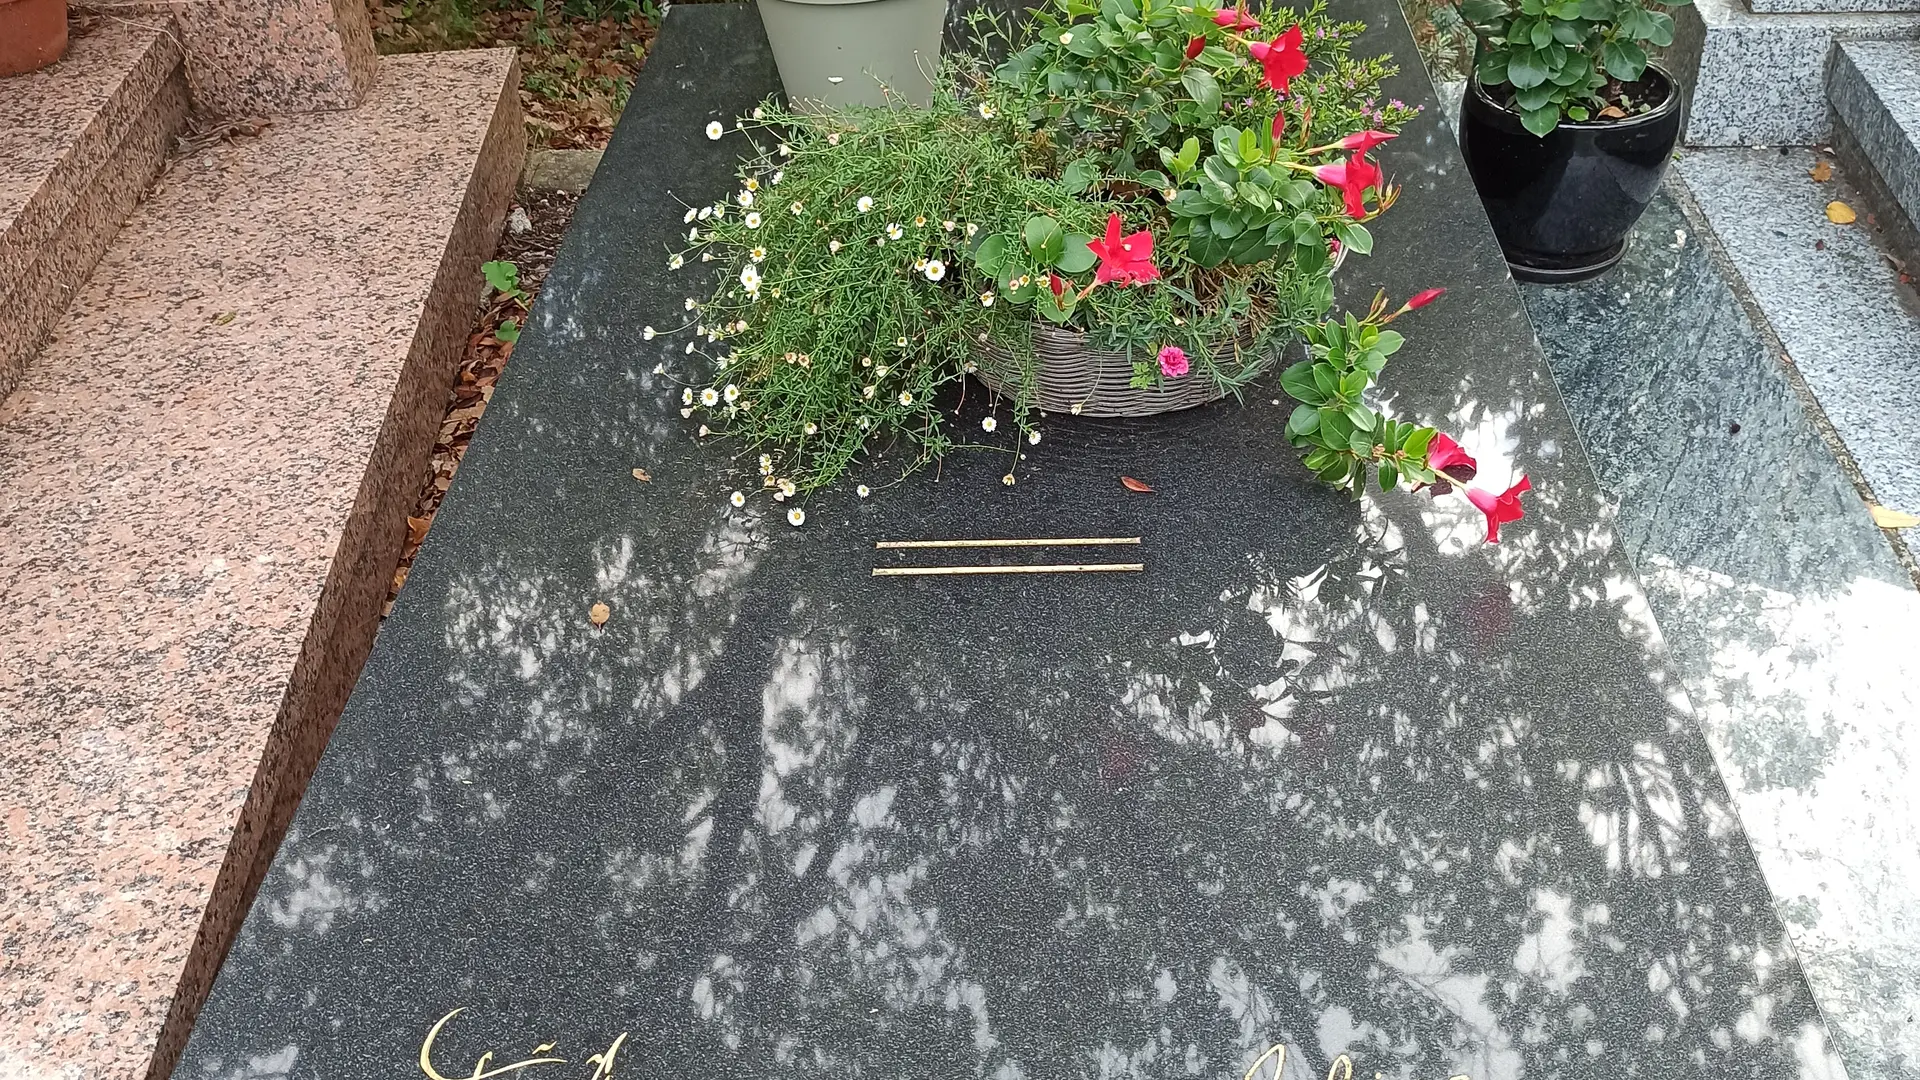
x=1566, y=58
x=504, y=277
x=1344, y=440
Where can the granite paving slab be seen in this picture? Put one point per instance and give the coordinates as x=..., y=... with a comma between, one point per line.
x=1874, y=87
x=204, y=481
x=1784, y=609
x=1331, y=776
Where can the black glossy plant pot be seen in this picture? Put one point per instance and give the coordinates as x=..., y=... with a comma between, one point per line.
x=1562, y=205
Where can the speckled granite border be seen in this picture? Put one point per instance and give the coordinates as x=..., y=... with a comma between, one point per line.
x=1762, y=77
x=78, y=144
x=1874, y=87
x=265, y=57
x=203, y=486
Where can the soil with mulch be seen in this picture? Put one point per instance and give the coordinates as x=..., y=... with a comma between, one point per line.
x=575, y=72
x=486, y=356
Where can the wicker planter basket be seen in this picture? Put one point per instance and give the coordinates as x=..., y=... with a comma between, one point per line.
x=1073, y=378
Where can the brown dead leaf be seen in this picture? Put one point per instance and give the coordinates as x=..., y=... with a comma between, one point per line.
x=1840, y=213
x=417, y=529
x=598, y=614
x=1614, y=112
x=642, y=475
x=1891, y=519
x=1131, y=484
x=1822, y=171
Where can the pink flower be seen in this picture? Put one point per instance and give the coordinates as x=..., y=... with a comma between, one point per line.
x=1235, y=19
x=1422, y=299
x=1280, y=59
x=1363, y=141
x=1173, y=361
x=1127, y=260
x=1353, y=177
x=1500, y=508
x=1445, y=456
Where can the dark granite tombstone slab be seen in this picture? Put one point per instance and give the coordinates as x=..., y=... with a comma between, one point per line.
x=1334, y=776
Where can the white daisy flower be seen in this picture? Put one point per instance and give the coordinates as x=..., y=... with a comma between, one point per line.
x=866, y=361
x=894, y=231
x=949, y=225
x=986, y=299
x=785, y=150
x=1076, y=408
x=864, y=203
x=920, y=221
x=989, y=424
x=675, y=262
x=811, y=428
x=750, y=278
x=684, y=413
x=833, y=247
x=986, y=111
x=692, y=303
x=686, y=396
x=900, y=342
x=972, y=228
x=919, y=264
x=759, y=113
x=693, y=235
x=750, y=184
x=798, y=208
x=739, y=327
x=863, y=490
x=766, y=464
x=705, y=431
x=689, y=218
x=709, y=397
x=906, y=397
x=758, y=254
x=745, y=198
x=935, y=270
x=971, y=367
x=732, y=393
x=774, y=292
x=865, y=423
x=689, y=348
x=720, y=209
x=778, y=175
x=738, y=498
x=1007, y=479
x=833, y=138
x=787, y=488
x=796, y=517
x=753, y=219
x=714, y=130
x=1033, y=437
x=866, y=391
x=704, y=213
x=706, y=256
x=659, y=369
x=779, y=496
x=647, y=333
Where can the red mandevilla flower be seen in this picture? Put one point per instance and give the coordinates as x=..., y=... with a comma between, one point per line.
x=1500, y=508
x=1445, y=456
x=1363, y=141
x=1422, y=299
x=1279, y=125
x=1353, y=177
x=1280, y=59
x=1235, y=19
x=1194, y=47
x=1127, y=260
x=1058, y=286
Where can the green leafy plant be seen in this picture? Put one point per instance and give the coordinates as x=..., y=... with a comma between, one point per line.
x=504, y=278
x=1578, y=60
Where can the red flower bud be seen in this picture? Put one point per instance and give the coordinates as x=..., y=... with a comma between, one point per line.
x=1059, y=287
x=1194, y=47
x=1364, y=141
x=1423, y=298
x=1279, y=125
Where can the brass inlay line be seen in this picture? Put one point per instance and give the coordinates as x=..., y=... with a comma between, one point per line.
x=1083, y=541
x=1059, y=568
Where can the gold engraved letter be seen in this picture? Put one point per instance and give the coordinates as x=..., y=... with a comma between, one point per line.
x=480, y=1070
x=1278, y=1052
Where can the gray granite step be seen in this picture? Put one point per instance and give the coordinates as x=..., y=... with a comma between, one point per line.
x=1759, y=78
x=1828, y=292
x=1874, y=87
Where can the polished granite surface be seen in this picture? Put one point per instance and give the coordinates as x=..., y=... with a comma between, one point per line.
x=1331, y=776
x=1785, y=612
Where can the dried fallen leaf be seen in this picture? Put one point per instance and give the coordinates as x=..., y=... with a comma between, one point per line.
x=1613, y=112
x=1840, y=213
x=417, y=529
x=1134, y=485
x=1891, y=519
x=1822, y=171
x=642, y=475
x=598, y=614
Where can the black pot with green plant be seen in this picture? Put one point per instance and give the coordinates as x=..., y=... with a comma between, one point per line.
x=1567, y=127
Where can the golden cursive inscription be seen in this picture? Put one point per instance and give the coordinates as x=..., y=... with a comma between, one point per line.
x=1340, y=1069
x=601, y=1062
